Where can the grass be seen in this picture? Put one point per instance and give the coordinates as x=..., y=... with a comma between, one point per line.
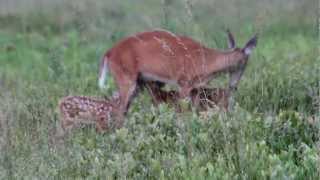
x=273, y=133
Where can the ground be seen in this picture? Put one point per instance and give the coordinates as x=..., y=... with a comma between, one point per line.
x=52, y=52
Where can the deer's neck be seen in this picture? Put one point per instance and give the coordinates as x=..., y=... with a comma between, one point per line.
x=222, y=61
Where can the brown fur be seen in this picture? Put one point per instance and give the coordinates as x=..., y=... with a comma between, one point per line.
x=163, y=56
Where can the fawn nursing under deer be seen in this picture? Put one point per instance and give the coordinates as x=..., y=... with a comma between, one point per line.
x=152, y=59
x=172, y=59
x=76, y=110
x=201, y=98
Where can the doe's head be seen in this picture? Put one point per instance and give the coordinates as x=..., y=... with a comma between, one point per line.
x=242, y=53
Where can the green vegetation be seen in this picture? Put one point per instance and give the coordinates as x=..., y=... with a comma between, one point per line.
x=51, y=52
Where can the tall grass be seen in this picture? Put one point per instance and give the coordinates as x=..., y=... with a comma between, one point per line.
x=52, y=49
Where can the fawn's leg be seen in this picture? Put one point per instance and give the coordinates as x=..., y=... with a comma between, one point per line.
x=185, y=89
x=65, y=125
x=101, y=125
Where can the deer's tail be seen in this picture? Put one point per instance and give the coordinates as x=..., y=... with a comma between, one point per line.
x=103, y=70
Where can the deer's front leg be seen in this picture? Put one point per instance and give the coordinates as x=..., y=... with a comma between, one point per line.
x=184, y=93
x=185, y=89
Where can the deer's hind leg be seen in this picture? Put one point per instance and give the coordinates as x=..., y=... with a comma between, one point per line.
x=126, y=83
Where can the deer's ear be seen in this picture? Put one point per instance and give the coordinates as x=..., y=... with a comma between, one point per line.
x=251, y=44
x=231, y=41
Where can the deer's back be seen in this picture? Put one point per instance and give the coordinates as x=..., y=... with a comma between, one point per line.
x=159, y=53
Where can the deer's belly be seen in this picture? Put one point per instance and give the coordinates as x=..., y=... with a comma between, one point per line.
x=154, y=77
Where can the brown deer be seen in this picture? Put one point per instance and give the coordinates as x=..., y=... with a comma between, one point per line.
x=162, y=56
x=75, y=110
x=202, y=98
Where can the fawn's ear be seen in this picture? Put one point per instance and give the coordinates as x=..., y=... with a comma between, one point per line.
x=251, y=44
x=231, y=41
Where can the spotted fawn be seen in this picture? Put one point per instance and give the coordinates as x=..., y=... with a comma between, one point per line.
x=76, y=110
x=201, y=98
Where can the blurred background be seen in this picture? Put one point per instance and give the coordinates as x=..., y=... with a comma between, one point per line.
x=138, y=15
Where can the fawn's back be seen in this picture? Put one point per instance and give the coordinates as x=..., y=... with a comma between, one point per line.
x=83, y=107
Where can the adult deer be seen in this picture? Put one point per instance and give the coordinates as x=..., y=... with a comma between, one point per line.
x=169, y=58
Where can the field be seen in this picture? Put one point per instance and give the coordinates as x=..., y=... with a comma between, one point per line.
x=51, y=49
